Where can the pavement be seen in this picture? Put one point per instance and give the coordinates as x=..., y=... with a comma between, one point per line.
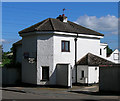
x=86, y=93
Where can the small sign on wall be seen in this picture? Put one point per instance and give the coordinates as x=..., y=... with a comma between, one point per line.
x=31, y=60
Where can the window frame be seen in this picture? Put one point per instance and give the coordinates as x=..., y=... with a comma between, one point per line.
x=114, y=56
x=64, y=50
x=43, y=79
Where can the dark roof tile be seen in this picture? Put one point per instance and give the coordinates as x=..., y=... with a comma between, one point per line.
x=51, y=24
x=93, y=60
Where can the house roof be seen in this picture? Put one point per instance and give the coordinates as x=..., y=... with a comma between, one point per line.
x=51, y=24
x=18, y=43
x=93, y=60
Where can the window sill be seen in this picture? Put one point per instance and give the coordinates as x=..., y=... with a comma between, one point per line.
x=44, y=80
x=65, y=51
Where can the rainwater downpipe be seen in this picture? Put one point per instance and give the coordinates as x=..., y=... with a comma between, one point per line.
x=76, y=58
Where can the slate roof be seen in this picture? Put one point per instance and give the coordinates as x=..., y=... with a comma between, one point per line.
x=93, y=60
x=51, y=24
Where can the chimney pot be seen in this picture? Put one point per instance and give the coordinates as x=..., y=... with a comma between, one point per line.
x=62, y=18
x=63, y=15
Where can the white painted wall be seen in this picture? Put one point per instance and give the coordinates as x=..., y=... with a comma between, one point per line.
x=93, y=74
x=19, y=53
x=45, y=58
x=84, y=45
x=90, y=74
x=29, y=71
x=115, y=56
x=81, y=68
x=87, y=45
x=103, y=50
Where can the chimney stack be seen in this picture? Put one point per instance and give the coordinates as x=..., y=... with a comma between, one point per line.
x=62, y=18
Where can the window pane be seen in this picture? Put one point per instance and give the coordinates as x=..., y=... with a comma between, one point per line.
x=66, y=46
x=63, y=46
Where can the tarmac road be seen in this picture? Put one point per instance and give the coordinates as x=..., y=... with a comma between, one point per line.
x=77, y=92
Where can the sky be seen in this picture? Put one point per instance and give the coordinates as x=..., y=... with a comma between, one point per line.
x=99, y=16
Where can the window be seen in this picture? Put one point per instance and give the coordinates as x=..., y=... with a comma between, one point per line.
x=45, y=73
x=65, y=46
x=82, y=74
x=116, y=56
x=100, y=51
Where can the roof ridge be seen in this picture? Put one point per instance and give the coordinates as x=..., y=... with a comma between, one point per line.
x=42, y=23
x=53, y=27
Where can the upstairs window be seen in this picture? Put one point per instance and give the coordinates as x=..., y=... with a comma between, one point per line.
x=65, y=46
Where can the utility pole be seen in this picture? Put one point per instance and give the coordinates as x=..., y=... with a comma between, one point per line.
x=76, y=57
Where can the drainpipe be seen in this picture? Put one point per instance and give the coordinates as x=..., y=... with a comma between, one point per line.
x=76, y=57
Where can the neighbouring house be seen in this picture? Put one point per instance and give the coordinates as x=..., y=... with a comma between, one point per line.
x=51, y=48
x=88, y=68
x=115, y=56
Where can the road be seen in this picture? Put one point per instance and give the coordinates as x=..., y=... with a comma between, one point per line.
x=77, y=92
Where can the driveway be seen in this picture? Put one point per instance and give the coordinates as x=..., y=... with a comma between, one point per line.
x=77, y=92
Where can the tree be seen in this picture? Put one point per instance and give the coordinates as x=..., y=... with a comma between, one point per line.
x=109, y=51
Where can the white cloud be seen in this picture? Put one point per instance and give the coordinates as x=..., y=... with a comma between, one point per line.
x=107, y=23
x=2, y=40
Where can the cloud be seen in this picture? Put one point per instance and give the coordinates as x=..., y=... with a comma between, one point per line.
x=2, y=40
x=107, y=23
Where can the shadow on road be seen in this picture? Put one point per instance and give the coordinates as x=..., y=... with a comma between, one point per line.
x=20, y=91
x=35, y=86
x=97, y=93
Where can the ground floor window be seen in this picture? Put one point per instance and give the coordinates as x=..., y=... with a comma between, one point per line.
x=82, y=74
x=45, y=73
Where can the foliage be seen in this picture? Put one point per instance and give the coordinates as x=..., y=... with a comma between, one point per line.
x=8, y=60
x=109, y=51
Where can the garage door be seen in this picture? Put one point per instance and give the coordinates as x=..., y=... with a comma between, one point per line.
x=64, y=75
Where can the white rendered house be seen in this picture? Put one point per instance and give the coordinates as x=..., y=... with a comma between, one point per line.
x=50, y=45
x=115, y=56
